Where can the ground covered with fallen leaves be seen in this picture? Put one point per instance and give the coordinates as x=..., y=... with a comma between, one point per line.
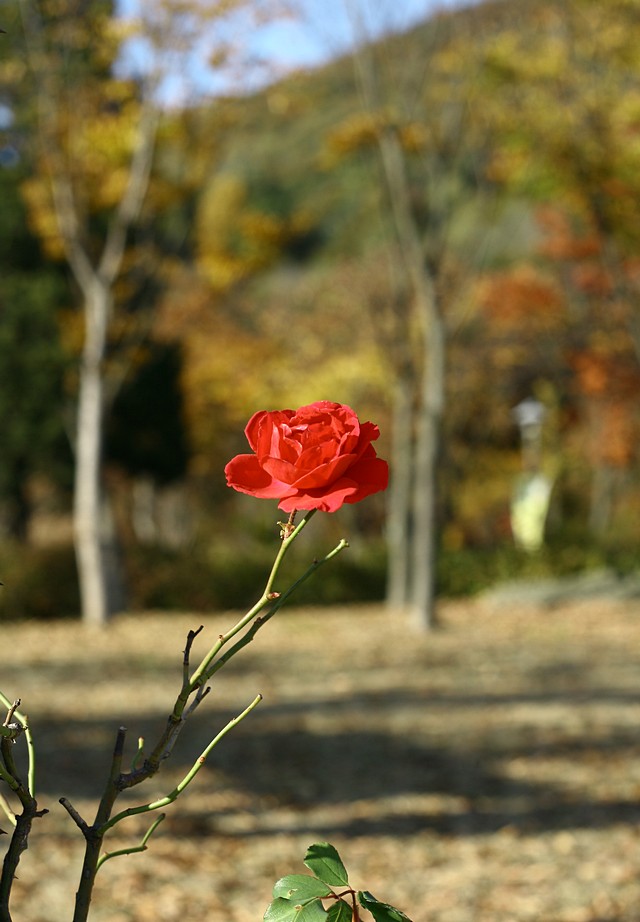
x=487, y=771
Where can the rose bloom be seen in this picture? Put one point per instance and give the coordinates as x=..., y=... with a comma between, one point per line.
x=317, y=457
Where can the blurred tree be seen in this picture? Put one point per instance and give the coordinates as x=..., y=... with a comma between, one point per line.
x=96, y=134
x=145, y=435
x=565, y=105
x=31, y=358
x=420, y=114
x=32, y=362
x=31, y=396
x=234, y=238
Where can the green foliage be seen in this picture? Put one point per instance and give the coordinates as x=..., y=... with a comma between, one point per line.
x=146, y=434
x=219, y=576
x=381, y=912
x=339, y=912
x=32, y=366
x=318, y=314
x=353, y=578
x=32, y=360
x=287, y=911
x=38, y=583
x=325, y=862
x=300, y=886
x=165, y=579
x=468, y=571
x=300, y=898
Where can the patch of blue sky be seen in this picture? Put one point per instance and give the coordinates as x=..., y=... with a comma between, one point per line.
x=315, y=32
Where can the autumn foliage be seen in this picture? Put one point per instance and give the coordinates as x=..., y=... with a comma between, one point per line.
x=267, y=260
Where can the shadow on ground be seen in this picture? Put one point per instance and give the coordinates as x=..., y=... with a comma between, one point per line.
x=285, y=760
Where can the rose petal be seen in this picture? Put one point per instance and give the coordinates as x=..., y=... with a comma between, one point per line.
x=320, y=499
x=283, y=471
x=245, y=474
x=325, y=474
x=369, y=432
x=371, y=476
x=253, y=427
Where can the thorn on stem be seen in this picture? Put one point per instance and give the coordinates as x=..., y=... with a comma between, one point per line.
x=286, y=528
x=14, y=707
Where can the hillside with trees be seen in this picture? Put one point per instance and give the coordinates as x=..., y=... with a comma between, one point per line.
x=433, y=229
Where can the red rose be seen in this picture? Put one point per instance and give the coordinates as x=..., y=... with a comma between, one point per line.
x=317, y=457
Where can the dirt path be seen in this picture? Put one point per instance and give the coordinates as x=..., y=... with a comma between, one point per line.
x=488, y=772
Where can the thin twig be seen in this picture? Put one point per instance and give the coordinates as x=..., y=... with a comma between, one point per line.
x=191, y=636
x=94, y=834
x=134, y=849
x=188, y=778
x=75, y=816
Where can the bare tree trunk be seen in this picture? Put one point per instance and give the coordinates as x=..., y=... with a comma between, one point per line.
x=87, y=506
x=428, y=421
x=601, y=499
x=425, y=493
x=399, y=495
x=421, y=212
x=96, y=276
x=87, y=498
x=417, y=430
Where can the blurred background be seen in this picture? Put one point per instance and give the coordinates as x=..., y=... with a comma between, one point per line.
x=429, y=212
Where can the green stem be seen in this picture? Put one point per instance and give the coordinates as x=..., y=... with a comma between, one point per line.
x=340, y=546
x=268, y=597
x=31, y=750
x=134, y=849
x=278, y=603
x=196, y=683
x=188, y=778
x=8, y=778
x=192, y=685
x=6, y=809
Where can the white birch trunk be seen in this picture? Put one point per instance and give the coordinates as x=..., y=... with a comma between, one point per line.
x=87, y=506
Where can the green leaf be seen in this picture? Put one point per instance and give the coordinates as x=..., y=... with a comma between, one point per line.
x=381, y=912
x=300, y=887
x=326, y=864
x=281, y=910
x=339, y=912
